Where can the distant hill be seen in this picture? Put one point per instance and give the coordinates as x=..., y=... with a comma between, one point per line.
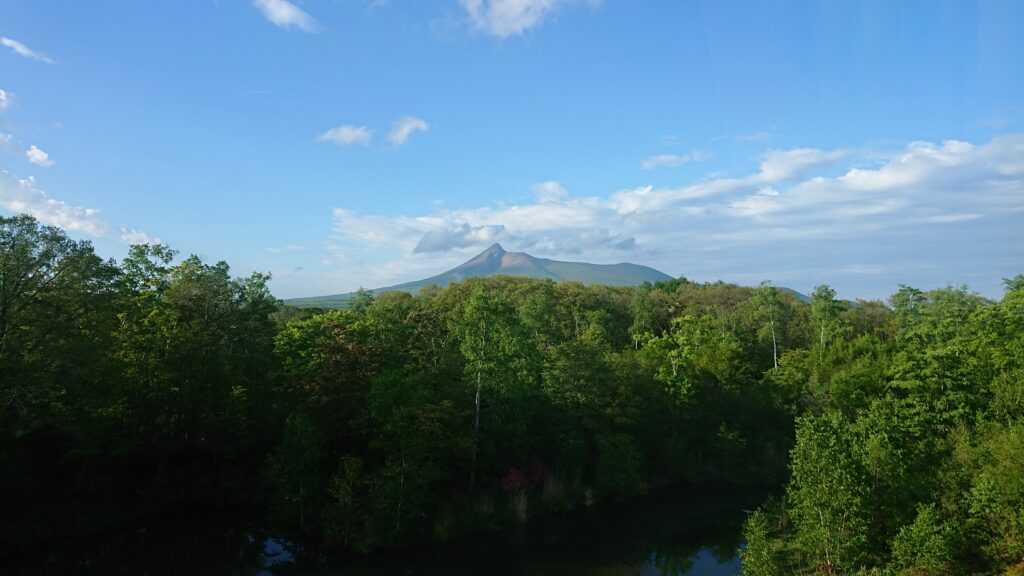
x=495, y=260
x=799, y=295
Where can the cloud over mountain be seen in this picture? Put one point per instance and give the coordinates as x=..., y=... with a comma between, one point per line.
x=800, y=195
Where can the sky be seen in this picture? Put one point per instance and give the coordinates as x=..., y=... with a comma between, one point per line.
x=340, y=144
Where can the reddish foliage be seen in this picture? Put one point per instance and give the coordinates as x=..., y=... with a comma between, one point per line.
x=514, y=480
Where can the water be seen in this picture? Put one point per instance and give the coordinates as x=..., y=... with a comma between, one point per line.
x=676, y=531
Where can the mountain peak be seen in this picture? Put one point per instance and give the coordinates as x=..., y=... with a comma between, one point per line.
x=495, y=250
x=495, y=260
x=489, y=259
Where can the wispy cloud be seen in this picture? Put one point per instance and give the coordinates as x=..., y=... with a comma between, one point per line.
x=1003, y=118
x=549, y=192
x=757, y=136
x=776, y=166
x=23, y=195
x=285, y=14
x=24, y=51
x=5, y=100
x=346, y=135
x=669, y=160
x=801, y=206
x=38, y=157
x=8, y=145
x=403, y=128
x=504, y=18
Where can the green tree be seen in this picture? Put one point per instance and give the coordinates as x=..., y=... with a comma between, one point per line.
x=642, y=310
x=926, y=544
x=828, y=493
x=825, y=314
x=294, y=473
x=699, y=352
x=769, y=312
x=54, y=295
x=758, y=555
x=497, y=355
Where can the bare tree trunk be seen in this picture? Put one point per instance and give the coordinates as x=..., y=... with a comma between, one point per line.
x=775, y=347
x=476, y=432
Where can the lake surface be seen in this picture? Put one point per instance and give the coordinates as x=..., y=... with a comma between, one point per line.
x=680, y=530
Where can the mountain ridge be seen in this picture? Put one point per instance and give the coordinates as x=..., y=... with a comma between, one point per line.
x=495, y=260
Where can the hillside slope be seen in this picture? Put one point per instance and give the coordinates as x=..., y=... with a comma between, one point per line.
x=496, y=261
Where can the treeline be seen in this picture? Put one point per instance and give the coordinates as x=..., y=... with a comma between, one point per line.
x=155, y=383
x=909, y=455
x=126, y=387
x=145, y=385
x=423, y=416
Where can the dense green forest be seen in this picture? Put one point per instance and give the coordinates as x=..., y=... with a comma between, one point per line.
x=158, y=383
x=909, y=449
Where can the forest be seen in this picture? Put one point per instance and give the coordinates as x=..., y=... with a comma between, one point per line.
x=891, y=432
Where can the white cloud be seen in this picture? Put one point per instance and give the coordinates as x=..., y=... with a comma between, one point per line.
x=346, y=135
x=5, y=100
x=24, y=51
x=663, y=160
x=669, y=160
x=403, y=128
x=38, y=157
x=461, y=236
x=131, y=236
x=504, y=18
x=285, y=14
x=555, y=224
x=34, y=154
x=801, y=206
x=777, y=165
x=549, y=191
x=23, y=195
x=949, y=218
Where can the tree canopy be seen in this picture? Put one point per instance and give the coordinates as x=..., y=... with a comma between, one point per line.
x=138, y=386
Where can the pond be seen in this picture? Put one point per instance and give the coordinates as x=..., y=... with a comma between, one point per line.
x=673, y=531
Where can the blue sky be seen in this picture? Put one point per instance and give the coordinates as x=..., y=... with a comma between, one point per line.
x=347, y=143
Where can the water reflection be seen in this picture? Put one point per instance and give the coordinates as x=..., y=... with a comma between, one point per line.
x=672, y=532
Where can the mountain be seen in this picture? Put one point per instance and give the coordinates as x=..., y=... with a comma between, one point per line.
x=495, y=260
x=798, y=295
